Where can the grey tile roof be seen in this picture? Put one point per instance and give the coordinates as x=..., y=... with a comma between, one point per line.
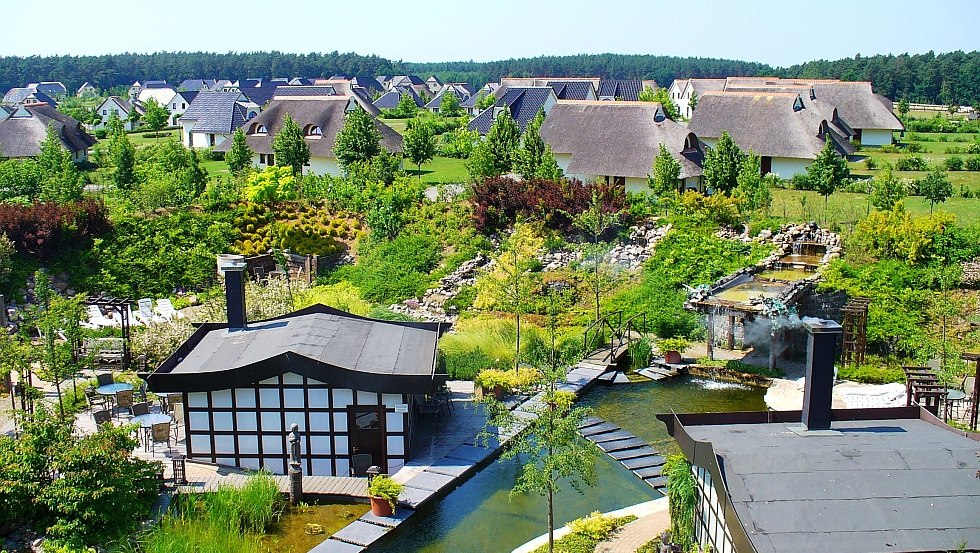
x=155, y=84
x=51, y=88
x=391, y=98
x=197, y=85
x=764, y=122
x=524, y=104
x=618, y=138
x=41, y=97
x=880, y=484
x=621, y=89
x=462, y=91
x=16, y=95
x=22, y=136
x=316, y=90
x=572, y=90
x=326, y=112
x=215, y=112
x=262, y=92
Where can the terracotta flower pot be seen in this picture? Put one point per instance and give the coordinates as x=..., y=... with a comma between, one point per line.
x=381, y=508
x=672, y=357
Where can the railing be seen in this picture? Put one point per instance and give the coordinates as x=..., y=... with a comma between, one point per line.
x=619, y=333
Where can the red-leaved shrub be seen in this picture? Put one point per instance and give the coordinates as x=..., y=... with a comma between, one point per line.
x=499, y=201
x=43, y=228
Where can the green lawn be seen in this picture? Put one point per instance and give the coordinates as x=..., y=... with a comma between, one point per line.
x=216, y=168
x=138, y=139
x=398, y=125
x=934, y=154
x=846, y=208
x=441, y=170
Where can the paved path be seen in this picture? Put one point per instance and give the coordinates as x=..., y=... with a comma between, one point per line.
x=629, y=538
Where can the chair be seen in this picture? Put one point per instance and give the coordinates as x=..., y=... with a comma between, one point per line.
x=141, y=408
x=96, y=317
x=94, y=399
x=102, y=417
x=360, y=463
x=145, y=313
x=170, y=400
x=178, y=420
x=166, y=310
x=124, y=399
x=104, y=379
x=160, y=433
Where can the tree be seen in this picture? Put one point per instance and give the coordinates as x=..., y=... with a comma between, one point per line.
x=406, y=108
x=527, y=159
x=290, y=147
x=420, y=142
x=450, y=106
x=753, y=190
x=495, y=154
x=665, y=175
x=595, y=221
x=886, y=190
x=549, y=169
x=239, y=156
x=486, y=102
x=60, y=181
x=936, y=187
x=828, y=172
x=903, y=108
x=358, y=140
x=53, y=313
x=123, y=156
x=274, y=184
x=550, y=448
x=722, y=164
x=693, y=101
x=648, y=94
x=661, y=95
x=154, y=115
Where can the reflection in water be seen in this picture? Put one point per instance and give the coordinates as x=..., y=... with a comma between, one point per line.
x=481, y=516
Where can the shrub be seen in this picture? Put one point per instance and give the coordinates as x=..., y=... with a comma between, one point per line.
x=499, y=201
x=45, y=228
x=973, y=163
x=596, y=526
x=914, y=148
x=391, y=271
x=870, y=163
x=912, y=163
x=871, y=375
x=101, y=134
x=801, y=181
x=384, y=487
x=954, y=163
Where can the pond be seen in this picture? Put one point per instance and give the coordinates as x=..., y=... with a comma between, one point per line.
x=786, y=274
x=291, y=534
x=742, y=293
x=480, y=515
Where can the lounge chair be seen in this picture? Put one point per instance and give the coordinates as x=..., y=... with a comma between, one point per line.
x=95, y=317
x=145, y=314
x=133, y=319
x=166, y=310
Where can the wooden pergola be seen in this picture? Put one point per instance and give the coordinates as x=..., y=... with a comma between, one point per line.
x=121, y=306
x=972, y=417
x=855, y=325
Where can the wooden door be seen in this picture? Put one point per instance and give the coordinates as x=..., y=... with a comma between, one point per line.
x=366, y=427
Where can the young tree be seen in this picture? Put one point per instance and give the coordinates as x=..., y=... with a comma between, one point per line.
x=661, y=95
x=53, y=314
x=903, y=108
x=123, y=156
x=527, y=159
x=549, y=169
x=495, y=154
x=693, y=101
x=648, y=94
x=594, y=222
x=722, y=164
x=406, y=108
x=239, y=156
x=828, y=172
x=420, y=143
x=886, y=190
x=753, y=189
x=936, y=188
x=665, y=175
x=450, y=106
x=358, y=140
x=290, y=147
x=154, y=115
x=60, y=181
x=487, y=101
x=550, y=448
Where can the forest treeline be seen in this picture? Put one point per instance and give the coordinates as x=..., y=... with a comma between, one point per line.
x=952, y=77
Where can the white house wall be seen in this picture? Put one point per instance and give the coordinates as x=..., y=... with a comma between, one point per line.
x=787, y=167
x=876, y=137
x=317, y=165
x=247, y=427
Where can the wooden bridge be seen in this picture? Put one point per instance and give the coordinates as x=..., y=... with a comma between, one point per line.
x=621, y=333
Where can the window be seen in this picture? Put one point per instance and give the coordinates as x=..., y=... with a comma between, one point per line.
x=258, y=128
x=313, y=131
x=175, y=106
x=183, y=105
x=104, y=112
x=271, y=159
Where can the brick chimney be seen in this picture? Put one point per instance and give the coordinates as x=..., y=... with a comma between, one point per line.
x=820, y=356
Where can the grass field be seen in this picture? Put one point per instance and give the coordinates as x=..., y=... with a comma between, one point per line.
x=846, y=208
x=934, y=154
x=441, y=170
x=138, y=139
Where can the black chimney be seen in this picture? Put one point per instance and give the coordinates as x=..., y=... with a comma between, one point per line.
x=235, y=294
x=820, y=356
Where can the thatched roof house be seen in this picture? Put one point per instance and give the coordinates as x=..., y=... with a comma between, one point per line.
x=618, y=141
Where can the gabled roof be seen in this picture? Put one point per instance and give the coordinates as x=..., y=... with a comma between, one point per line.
x=290, y=91
x=123, y=103
x=16, y=95
x=366, y=82
x=620, y=89
x=461, y=90
x=572, y=90
x=391, y=98
x=766, y=123
x=326, y=112
x=216, y=112
x=300, y=81
x=22, y=136
x=41, y=98
x=85, y=86
x=701, y=86
x=618, y=138
x=319, y=342
x=406, y=80
x=156, y=84
x=196, y=85
x=189, y=95
x=51, y=88
x=261, y=92
x=524, y=104
x=163, y=95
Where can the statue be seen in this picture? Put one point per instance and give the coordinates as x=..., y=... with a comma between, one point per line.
x=295, y=472
x=294, y=445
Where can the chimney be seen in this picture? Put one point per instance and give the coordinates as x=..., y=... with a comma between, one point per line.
x=820, y=356
x=235, y=294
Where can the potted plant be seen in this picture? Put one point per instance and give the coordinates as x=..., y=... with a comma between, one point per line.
x=672, y=348
x=493, y=381
x=384, y=492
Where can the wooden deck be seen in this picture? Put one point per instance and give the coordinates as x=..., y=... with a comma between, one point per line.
x=207, y=478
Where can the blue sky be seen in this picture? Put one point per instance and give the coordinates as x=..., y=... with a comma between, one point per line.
x=770, y=31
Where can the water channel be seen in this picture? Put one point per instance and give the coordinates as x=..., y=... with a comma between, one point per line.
x=480, y=516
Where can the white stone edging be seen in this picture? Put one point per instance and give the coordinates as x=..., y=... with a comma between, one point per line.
x=639, y=510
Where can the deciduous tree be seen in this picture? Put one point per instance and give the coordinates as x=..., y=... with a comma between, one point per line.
x=594, y=222
x=886, y=190
x=722, y=164
x=753, y=189
x=406, y=108
x=936, y=188
x=828, y=172
x=903, y=108
x=358, y=140
x=495, y=154
x=527, y=159
x=290, y=147
x=123, y=156
x=60, y=181
x=420, y=143
x=665, y=175
x=154, y=115
x=239, y=156
x=450, y=106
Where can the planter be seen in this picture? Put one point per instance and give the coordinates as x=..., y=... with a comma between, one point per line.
x=673, y=357
x=497, y=392
x=380, y=507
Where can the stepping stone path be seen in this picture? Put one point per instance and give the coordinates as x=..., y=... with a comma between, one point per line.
x=633, y=453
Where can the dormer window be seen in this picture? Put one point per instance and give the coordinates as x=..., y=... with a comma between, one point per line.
x=798, y=104
x=313, y=131
x=690, y=143
x=258, y=129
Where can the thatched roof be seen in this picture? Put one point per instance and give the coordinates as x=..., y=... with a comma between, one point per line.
x=701, y=86
x=326, y=112
x=22, y=133
x=767, y=123
x=618, y=138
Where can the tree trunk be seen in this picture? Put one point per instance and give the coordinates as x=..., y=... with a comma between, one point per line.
x=517, y=352
x=551, y=519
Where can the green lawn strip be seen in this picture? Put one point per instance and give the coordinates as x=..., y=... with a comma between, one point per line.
x=847, y=208
x=581, y=543
x=441, y=170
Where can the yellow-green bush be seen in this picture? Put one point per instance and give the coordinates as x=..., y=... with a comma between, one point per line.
x=343, y=295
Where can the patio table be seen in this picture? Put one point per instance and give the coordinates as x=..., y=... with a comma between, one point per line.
x=113, y=389
x=149, y=419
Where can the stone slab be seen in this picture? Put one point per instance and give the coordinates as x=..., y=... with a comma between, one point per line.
x=450, y=467
x=643, y=451
x=599, y=429
x=361, y=533
x=430, y=481
x=331, y=545
x=643, y=462
x=619, y=445
x=657, y=482
x=394, y=520
x=610, y=436
x=621, y=379
x=591, y=421
x=470, y=453
x=649, y=472
x=413, y=497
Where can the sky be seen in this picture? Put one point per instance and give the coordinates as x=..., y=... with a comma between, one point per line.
x=776, y=32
